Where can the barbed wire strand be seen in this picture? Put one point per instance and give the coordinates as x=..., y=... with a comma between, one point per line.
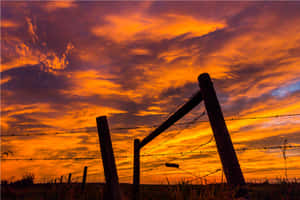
x=187, y=126
x=154, y=126
x=193, y=121
x=179, y=153
x=200, y=177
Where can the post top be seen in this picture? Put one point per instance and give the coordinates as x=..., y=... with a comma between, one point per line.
x=137, y=140
x=203, y=76
x=101, y=118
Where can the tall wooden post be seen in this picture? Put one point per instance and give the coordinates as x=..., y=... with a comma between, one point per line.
x=136, y=170
x=69, y=178
x=84, y=178
x=108, y=159
x=231, y=166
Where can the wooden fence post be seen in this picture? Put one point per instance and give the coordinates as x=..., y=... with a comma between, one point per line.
x=138, y=145
x=136, y=170
x=61, y=179
x=108, y=159
x=231, y=166
x=69, y=179
x=84, y=178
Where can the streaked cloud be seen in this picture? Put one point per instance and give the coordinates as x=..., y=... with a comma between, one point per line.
x=54, y=5
x=133, y=27
x=8, y=24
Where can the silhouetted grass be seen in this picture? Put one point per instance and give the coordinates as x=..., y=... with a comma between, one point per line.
x=180, y=191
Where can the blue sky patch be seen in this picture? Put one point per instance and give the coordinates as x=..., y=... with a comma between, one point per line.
x=283, y=91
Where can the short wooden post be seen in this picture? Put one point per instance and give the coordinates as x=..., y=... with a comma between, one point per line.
x=61, y=179
x=69, y=178
x=84, y=178
x=136, y=170
x=231, y=166
x=108, y=159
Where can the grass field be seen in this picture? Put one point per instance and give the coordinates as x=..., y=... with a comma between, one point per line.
x=288, y=191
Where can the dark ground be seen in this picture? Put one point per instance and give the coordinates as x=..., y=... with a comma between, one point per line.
x=288, y=191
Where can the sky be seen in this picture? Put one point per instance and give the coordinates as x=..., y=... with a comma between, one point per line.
x=65, y=63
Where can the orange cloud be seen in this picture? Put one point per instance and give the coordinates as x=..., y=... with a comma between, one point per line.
x=91, y=82
x=8, y=24
x=85, y=116
x=134, y=26
x=140, y=51
x=54, y=5
x=22, y=54
x=26, y=55
x=32, y=30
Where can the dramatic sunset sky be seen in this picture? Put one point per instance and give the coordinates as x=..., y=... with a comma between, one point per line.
x=65, y=63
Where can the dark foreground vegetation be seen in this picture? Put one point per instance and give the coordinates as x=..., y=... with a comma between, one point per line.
x=265, y=191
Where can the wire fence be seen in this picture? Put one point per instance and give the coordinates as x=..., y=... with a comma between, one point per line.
x=167, y=157
x=243, y=149
x=145, y=172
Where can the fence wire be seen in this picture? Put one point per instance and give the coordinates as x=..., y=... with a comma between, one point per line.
x=164, y=157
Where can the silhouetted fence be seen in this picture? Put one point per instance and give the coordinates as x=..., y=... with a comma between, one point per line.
x=225, y=148
x=224, y=144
